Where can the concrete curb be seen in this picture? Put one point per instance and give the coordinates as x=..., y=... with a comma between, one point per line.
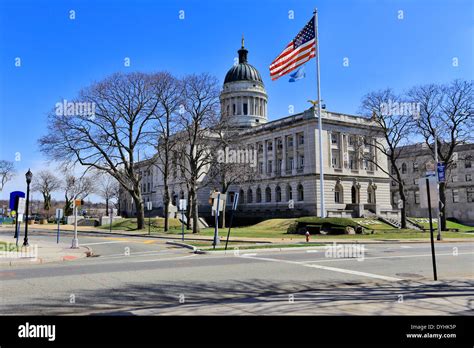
x=180, y=244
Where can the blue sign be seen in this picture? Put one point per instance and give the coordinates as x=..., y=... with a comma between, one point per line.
x=14, y=198
x=441, y=172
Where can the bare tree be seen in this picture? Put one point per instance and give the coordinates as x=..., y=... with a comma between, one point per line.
x=168, y=92
x=107, y=188
x=76, y=188
x=46, y=182
x=446, y=118
x=200, y=114
x=7, y=172
x=231, y=163
x=395, y=128
x=108, y=140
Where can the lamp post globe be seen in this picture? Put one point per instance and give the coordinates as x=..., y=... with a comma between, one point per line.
x=29, y=177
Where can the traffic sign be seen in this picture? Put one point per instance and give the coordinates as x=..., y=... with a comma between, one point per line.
x=183, y=204
x=424, y=192
x=59, y=213
x=21, y=205
x=78, y=202
x=13, y=199
x=441, y=172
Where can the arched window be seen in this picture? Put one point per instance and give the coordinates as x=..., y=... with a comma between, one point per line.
x=338, y=194
x=404, y=168
x=241, y=197
x=268, y=195
x=259, y=195
x=249, y=196
x=354, y=195
x=278, y=194
x=289, y=193
x=300, y=193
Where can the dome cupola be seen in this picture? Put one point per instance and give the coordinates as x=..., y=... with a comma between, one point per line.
x=244, y=99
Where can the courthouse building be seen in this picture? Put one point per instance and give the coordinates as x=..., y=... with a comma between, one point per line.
x=459, y=181
x=287, y=179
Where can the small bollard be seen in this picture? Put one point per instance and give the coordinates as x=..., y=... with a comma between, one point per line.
x=307, y=236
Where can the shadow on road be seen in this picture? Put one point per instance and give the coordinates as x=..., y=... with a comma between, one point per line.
x=263, y=298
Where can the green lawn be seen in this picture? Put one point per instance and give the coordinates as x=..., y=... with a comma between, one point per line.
x=450, y=224
x=276, y=229
x=156, y=225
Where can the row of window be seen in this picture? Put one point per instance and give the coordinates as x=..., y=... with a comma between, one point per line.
x=248, y=197
x=454, y=178
x=279, y=142
x=454, y=195
x=415, y=166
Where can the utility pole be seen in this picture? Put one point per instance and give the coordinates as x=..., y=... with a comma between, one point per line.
x=437, y=185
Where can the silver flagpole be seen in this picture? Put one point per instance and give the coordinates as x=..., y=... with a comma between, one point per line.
x=320, y=124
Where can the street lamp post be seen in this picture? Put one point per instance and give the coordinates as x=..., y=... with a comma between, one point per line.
x=29, y=176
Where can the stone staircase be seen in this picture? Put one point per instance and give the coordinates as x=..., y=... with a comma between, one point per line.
x=397, y=224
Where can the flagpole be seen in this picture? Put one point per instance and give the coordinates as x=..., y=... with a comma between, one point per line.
x=320, y=125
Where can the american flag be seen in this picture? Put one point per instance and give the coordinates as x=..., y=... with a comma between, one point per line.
x=301, y=49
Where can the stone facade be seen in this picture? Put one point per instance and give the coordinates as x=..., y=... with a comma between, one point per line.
x=459, y=181
x=287, y=180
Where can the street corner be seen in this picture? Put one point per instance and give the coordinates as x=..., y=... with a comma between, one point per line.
x=12, y=254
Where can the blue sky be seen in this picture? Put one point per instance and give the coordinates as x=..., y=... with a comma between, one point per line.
x=59, y=56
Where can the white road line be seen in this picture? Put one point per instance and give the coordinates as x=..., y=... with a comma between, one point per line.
x=249, y=254
x=334, y=269
x=112, y=242
x=167, y=259
x=313, y=251
x=385, y=257
x=405, y=246
x=135, y=254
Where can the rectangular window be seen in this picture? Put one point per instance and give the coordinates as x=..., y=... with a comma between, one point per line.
x=470, y=195
x=351, y=140
x=467, y=164
x=279, y=164
x=233, y=109
x=456, y=196
x=417, y=197
x=246, y=110
x=260, y=167
x=336, y=159
x=415, y=167
x=269, y=146
x=269, y=166
x=455, y=178
x=468, y=177
x=289, y=163
x=334, y=138
x=301, y=139
x=290, y=141
x=301, y=161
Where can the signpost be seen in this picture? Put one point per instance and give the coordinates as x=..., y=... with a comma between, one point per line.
x=13, y=205
x=428, y=198
x=149, y=207
x=182, y=206
x=59, y=216
x=234, y=207
x=75, y=241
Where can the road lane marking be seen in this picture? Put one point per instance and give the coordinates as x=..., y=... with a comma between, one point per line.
x=405, y=247
x=167, y=259
x=313, y=251
x=326, y=268
x=386, y=257
x=134, y=254
x=249, y=254
x=97, y=243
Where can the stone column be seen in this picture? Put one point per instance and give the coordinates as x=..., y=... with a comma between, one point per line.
x=283, y=160
x=295, y=154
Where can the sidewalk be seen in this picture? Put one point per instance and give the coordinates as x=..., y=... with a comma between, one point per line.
x=38, y=253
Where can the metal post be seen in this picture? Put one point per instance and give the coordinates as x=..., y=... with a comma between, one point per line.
x=437, y=185
x=216, y=228
x=230, y=226
x=25, y=241
x=57, y=237
x=75, y=241
x=182, y=223
x=320, y=126
x=111, y=219
x=433, y=257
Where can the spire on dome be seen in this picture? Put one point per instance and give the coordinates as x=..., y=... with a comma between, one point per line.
x=243, y=53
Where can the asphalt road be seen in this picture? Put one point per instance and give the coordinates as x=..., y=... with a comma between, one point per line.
x=153, y=278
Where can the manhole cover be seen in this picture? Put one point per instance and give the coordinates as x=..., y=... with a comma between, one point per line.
x=409, y=275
